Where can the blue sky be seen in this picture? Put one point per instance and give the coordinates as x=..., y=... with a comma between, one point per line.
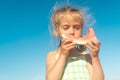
x=24, y=36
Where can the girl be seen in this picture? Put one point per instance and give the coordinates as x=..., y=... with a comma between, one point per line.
x=67, y=62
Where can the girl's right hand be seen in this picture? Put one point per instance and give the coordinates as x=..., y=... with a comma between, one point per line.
x=66, y=45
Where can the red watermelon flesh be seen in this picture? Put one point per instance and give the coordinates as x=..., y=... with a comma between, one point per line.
x=83, y=40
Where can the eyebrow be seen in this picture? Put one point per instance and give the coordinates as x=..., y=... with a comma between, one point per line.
x=65, y=24
x=77, y=25
x=68, y=25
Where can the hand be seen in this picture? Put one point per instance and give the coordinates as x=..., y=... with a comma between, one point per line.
x=66, y=45
x=94, y=47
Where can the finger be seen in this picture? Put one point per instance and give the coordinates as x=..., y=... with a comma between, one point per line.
x=92, y=49
x=90, y=44
x=67, y=41
x=71, y=45
x=62, y=40
x=96, y=43
x=95, y=48
x=87, y=46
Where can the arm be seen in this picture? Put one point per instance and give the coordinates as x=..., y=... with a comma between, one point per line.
x=55, y=67
x=94, y=64
x=97, y=69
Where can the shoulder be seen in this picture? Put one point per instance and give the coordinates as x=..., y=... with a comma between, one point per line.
x=50, y=60
x=50, y=54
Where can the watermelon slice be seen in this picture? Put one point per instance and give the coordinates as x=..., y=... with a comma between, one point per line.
x=83, y=40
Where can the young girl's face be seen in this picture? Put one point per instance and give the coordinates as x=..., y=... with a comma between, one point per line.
x=70, y=25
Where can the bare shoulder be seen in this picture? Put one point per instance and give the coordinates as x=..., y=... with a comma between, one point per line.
x=50, y=56
x=50, y=60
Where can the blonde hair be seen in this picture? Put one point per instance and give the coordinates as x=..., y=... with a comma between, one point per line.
x=58, y=14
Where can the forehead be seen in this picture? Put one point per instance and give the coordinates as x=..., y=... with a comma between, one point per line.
x=69, y=18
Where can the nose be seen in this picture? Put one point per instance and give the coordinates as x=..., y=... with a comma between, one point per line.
x=71, y=32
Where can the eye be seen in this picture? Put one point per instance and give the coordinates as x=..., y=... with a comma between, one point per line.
x=77, y=27
x=65, y=27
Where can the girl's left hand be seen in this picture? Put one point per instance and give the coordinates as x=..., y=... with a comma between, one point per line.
x=94, y=47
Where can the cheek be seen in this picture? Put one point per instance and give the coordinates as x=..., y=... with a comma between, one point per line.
x=61, y=31
x=81, y=33
x=78, y=34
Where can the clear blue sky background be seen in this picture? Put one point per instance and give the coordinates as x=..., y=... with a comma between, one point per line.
x=24, y=37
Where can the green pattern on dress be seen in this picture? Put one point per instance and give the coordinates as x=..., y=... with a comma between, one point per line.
x=75, y=69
